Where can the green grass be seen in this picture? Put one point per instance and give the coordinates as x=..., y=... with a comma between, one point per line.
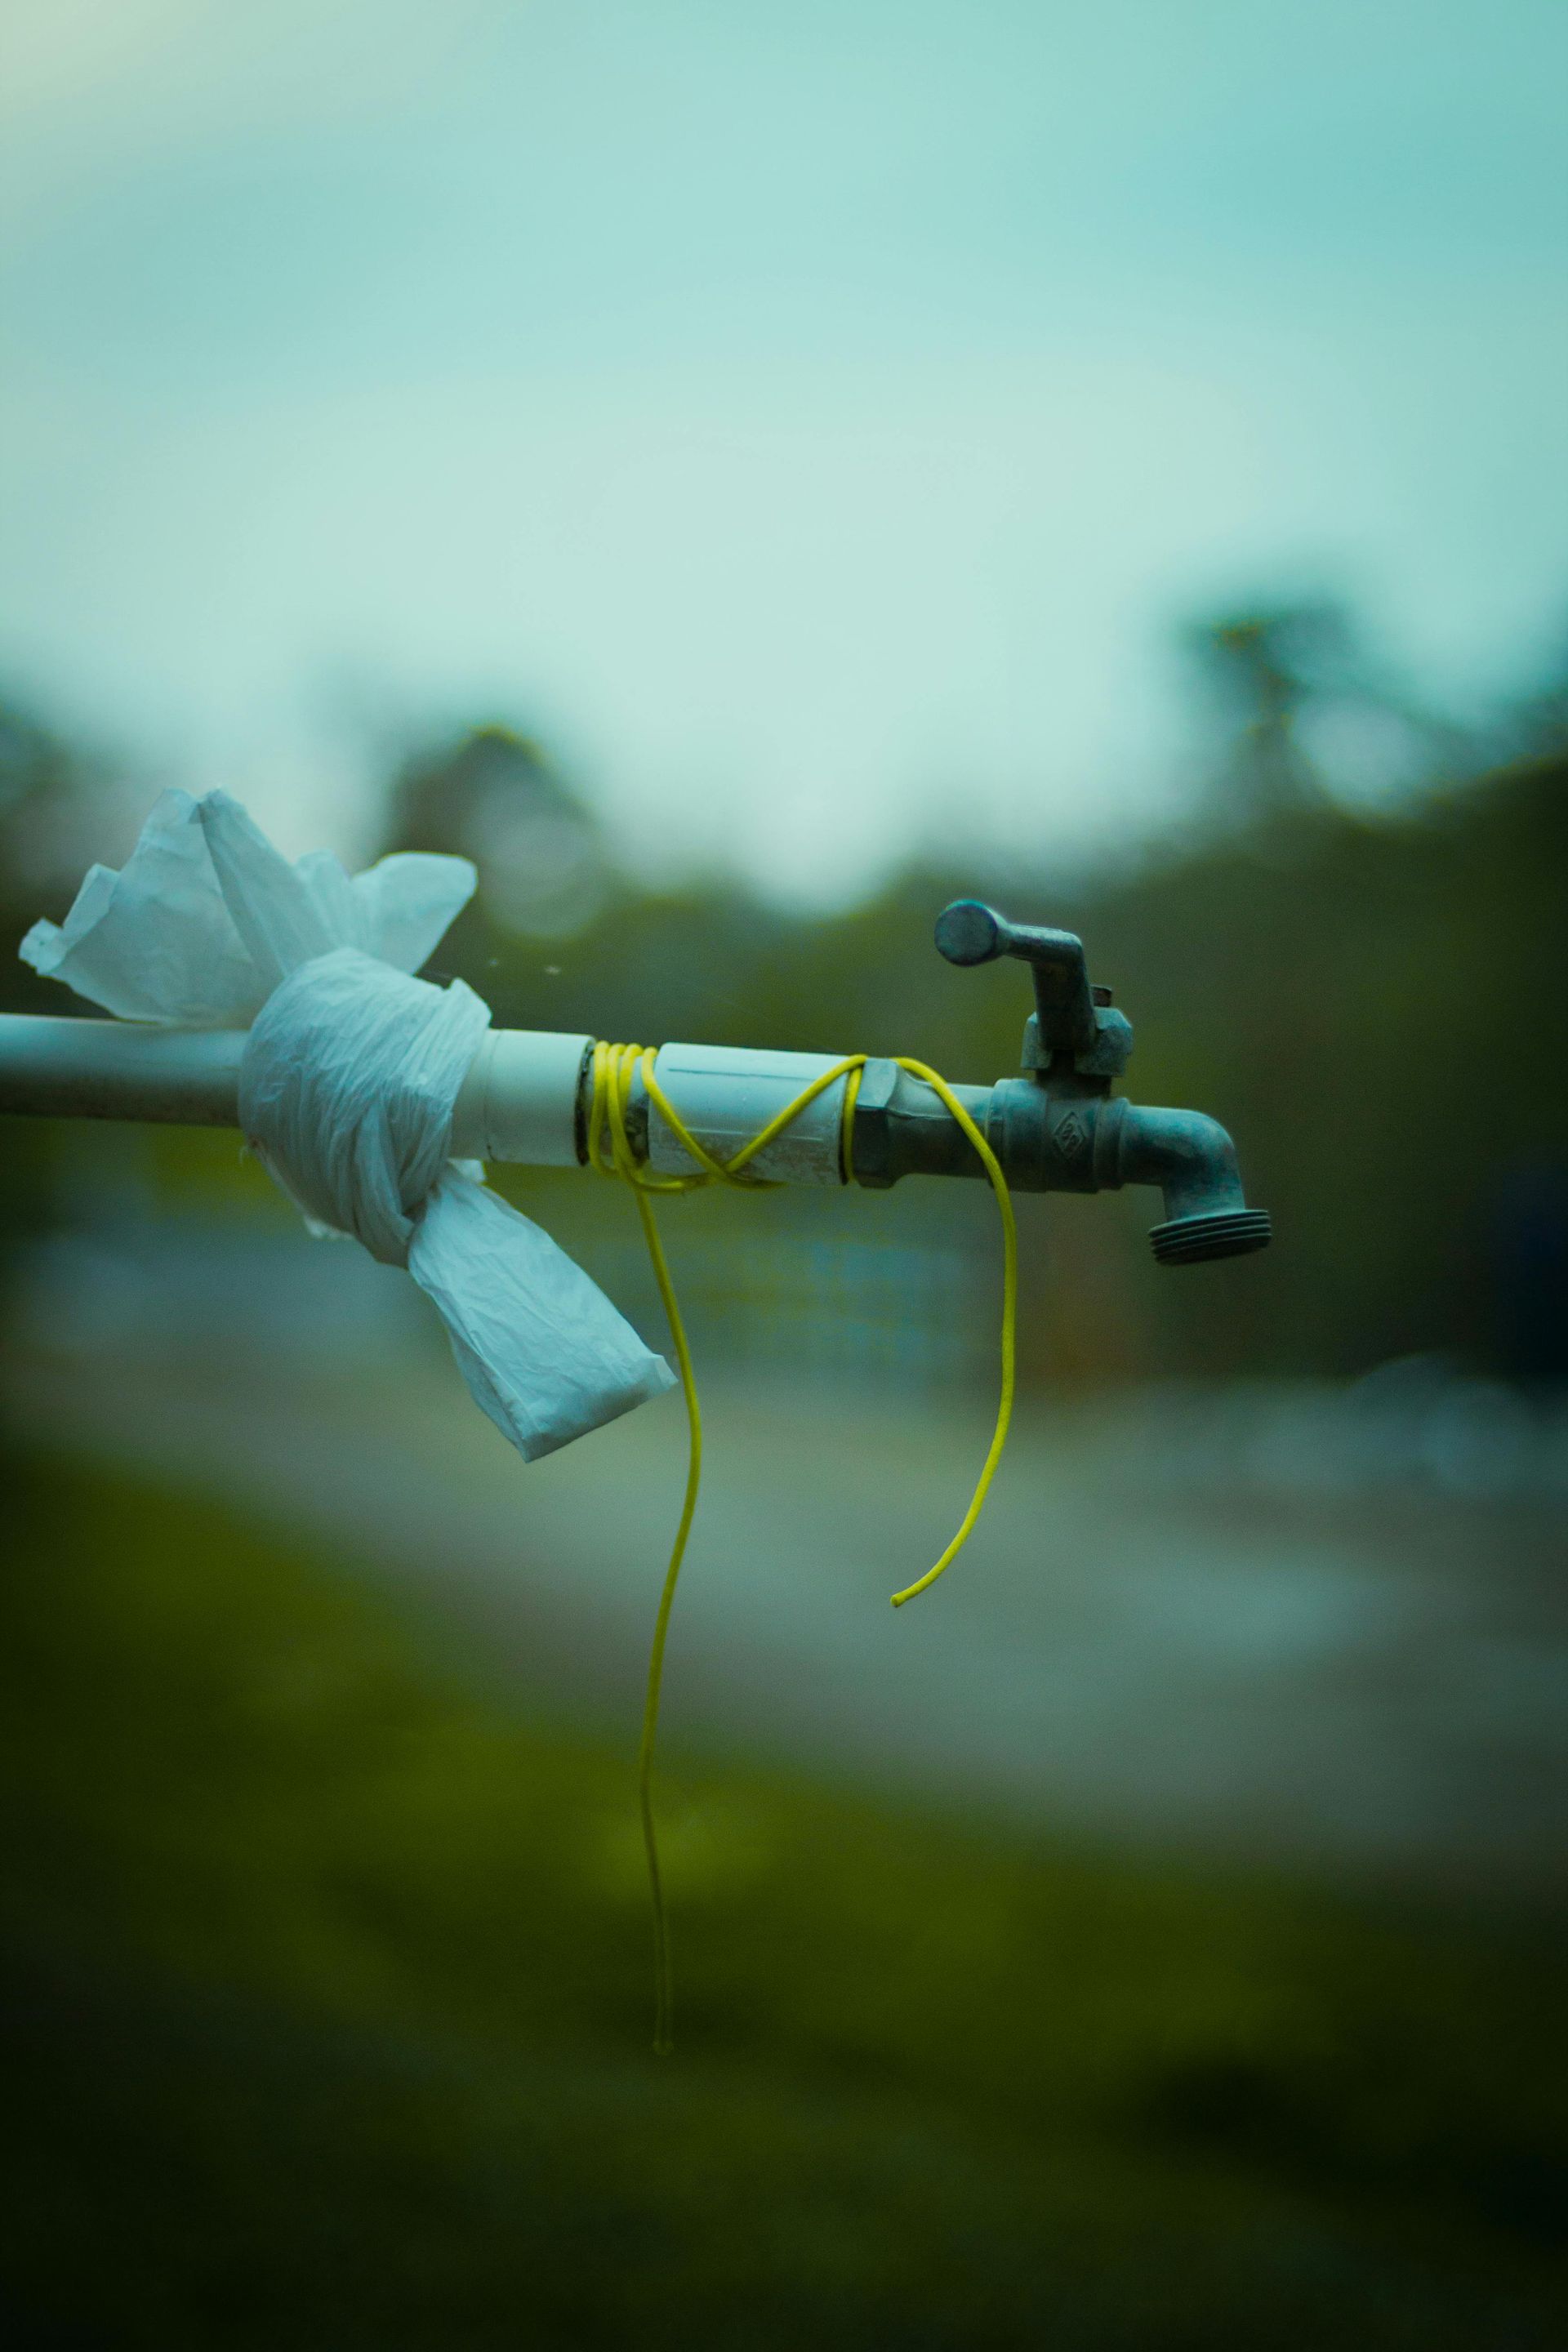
x=327, y=2001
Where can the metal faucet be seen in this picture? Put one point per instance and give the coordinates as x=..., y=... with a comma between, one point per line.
x=1060, y=1129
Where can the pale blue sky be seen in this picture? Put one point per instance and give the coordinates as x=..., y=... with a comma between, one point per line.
x=814, y=417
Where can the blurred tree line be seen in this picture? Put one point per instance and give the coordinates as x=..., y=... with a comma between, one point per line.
x=1353, y=955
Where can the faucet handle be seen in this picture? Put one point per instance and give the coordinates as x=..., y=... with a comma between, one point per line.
x=969, y=932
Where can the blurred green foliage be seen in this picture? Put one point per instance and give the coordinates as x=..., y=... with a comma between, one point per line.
x=327, y=2005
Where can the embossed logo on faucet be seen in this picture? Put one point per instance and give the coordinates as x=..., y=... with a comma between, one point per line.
x=1071, y=1136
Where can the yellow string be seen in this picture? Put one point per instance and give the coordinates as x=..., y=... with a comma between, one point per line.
x=992, y=1168
x=615, y=1071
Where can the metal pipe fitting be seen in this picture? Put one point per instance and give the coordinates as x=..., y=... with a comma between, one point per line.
x=1055, y=1140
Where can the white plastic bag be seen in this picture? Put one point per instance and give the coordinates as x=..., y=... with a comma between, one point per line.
x=168, y=939
x=350, y=1075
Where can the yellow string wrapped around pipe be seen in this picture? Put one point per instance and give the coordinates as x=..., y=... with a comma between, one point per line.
x=615, y=1071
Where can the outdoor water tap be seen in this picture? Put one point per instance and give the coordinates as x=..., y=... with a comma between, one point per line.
x=527, y=1099
x=1060, y=1129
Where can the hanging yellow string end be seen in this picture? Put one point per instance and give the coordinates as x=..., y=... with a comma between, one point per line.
x=615, y=1072
x=992, y=1168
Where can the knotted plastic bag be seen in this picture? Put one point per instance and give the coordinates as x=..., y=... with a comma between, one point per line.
x=206, y=916
x=348, y=1082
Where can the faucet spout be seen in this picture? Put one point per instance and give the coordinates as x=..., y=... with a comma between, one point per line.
x=1193, y=1160
x=1056, y=1139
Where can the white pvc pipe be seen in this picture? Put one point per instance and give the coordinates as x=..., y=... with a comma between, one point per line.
x=725, y=1095
x=519, y=1101
x=118, y=1069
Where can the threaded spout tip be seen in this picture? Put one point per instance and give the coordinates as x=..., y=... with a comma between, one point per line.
x=1223, y=1233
